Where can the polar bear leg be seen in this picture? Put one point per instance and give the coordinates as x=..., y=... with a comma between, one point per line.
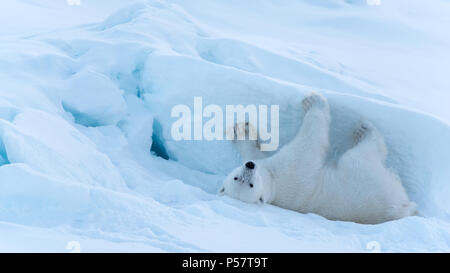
x=248, y=149
x=307, y=151
x=312, y=137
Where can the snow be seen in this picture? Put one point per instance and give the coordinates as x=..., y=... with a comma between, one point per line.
x=85, y=119
x=93, y=100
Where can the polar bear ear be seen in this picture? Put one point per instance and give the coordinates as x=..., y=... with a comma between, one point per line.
x=222, y=191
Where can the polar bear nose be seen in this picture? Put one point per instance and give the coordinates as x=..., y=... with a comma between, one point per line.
x=250, y=165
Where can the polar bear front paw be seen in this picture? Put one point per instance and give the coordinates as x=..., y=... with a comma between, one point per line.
x=314, y=100
x=244, y=129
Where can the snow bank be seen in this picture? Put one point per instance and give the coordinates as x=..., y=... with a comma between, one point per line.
x=93, y=100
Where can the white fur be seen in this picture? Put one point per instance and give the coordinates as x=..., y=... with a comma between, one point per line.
x=357, y=188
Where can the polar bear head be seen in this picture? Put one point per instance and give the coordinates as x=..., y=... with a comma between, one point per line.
x=248, y=183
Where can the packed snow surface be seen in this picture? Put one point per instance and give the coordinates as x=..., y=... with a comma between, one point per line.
x=87, y=161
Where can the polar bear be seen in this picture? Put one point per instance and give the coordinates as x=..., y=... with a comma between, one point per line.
x=357, y=188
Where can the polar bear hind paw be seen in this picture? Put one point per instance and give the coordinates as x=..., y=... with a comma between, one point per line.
x=362, y=131
x=314, y=100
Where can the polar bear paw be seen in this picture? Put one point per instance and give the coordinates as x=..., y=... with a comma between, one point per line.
x=363, y=130
x=314, y=100
x=244, y=129
x=366, y=131
x=249, y=148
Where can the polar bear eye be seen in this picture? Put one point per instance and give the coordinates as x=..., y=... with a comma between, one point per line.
x=251, y=185
x=235, y=178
